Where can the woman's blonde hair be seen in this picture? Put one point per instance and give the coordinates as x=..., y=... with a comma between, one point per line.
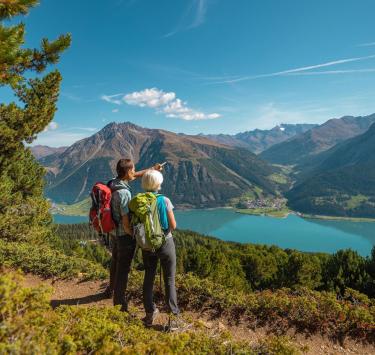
x=152, y=180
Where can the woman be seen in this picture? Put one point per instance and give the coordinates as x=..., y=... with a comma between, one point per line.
x=151, y=182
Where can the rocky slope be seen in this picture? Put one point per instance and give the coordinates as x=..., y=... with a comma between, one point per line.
x=199, y=172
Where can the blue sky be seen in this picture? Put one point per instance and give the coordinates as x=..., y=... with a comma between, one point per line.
x=211, y=66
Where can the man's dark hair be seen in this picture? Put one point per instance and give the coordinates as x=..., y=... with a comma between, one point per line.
x=123, y=166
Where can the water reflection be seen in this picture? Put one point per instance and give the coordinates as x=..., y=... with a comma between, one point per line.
x=362, y=229
x=205, y=221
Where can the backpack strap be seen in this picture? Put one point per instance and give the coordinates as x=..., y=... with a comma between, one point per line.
x=162, y=208
x=123, y=187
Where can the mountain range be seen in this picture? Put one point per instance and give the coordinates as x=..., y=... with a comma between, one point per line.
x=259, y=140
x=331, y=169
x=41, y=151
x=199, y=172
x=342, y=182
x=302, y=147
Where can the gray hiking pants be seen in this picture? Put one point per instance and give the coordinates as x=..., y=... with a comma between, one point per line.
x=167, y=256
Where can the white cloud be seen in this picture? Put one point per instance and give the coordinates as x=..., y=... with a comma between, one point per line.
x=178, y=109
x=51, y=127
x=162, y=102
x=334, y=72
x=113, y=99
x=200, y=13
x=166, y=103
x=149, y=97
x=194, y=16
x=297, y=70
x=115, y=110
x=369, y=44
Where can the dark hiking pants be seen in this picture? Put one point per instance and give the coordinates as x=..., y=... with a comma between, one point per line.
x=125, y=250
x=167, y=256
x=112, y=269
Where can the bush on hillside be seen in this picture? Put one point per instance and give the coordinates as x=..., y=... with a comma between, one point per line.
x=29, y=322
x=304, y=310
x=47, y=262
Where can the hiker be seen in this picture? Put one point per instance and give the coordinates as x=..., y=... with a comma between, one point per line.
x=151, y=183
x=123, y=243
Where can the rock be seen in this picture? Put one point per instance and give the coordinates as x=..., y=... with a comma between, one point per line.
x=208, y=325
x=221, y=326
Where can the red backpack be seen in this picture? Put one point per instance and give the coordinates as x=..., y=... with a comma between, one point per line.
x=100, y=211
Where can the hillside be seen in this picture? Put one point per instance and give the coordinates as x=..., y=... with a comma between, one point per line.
x=80, y=296
x=235, y=299
x=302, y=147
x=41, y=151
x=199, y=172
x=342, y=182
x=259, y=140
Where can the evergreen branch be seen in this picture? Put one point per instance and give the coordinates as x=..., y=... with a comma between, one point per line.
x=10, y=8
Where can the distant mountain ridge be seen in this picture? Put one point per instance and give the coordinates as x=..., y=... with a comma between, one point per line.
x=259, y=140
x=342, y=182
x=199, y=173
x=302, y=147
x=41, y=151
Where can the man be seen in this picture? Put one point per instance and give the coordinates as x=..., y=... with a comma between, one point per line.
x=124, y=244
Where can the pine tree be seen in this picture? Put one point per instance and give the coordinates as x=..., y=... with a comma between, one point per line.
x=24, y=212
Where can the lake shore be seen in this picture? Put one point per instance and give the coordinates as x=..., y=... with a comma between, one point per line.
x=82, y=210
x=264, y=212
x=336, y=218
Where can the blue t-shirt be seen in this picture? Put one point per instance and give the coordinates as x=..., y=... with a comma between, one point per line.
x=164, y=206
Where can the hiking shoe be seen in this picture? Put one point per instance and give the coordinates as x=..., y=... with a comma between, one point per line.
x=150, y=317
x=124, y=308
x=176, y=323
x=108, y=293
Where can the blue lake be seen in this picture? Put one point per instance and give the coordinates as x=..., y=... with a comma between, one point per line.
x=291, y=232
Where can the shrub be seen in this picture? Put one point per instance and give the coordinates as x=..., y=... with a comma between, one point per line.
x=28, y=322
x=305, y=310
x=47, y=262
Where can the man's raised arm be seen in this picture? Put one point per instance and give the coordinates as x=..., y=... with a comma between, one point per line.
x=140, y=173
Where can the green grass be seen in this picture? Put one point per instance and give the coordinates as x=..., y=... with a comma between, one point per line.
x=77, y=209
x=356, y=201
x=265, y=212
x=253, y=194
x=279, y=179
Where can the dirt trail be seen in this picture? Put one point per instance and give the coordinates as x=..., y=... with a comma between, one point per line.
x=90, y=293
